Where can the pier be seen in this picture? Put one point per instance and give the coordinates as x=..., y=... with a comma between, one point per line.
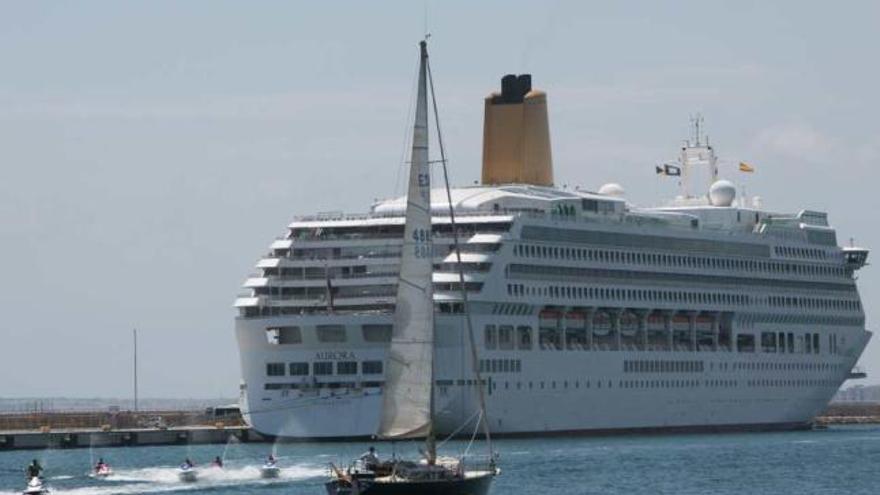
x=79, y=438
x=121, y=429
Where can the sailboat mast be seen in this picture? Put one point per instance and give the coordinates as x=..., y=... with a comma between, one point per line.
x=422, y=123
x=407, y=404
x=475, y=361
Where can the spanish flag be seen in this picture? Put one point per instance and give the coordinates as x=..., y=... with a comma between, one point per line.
x=745, y=167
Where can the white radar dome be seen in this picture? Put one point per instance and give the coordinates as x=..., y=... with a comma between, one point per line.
x=722, y=193
x=612, y=189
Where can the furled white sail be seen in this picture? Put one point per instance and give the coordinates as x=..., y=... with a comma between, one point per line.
x=406, y=411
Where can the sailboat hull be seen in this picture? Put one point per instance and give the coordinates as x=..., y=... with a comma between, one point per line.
x=472, y=485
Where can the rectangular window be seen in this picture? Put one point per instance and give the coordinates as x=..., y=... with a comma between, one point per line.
x=491, y=339
x=331, y=333
x=322, y=368
x=524, y=338
x=372, y=367
x=815, y=343
x=299, y=369
x=505, y=337
x=548, y=338
x=376, y=333
x=284, y=335
x=346, y=368
x=745, y=342
x=275, y=369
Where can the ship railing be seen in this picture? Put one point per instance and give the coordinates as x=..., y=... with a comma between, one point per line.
x=379, y=254
x=342, y=237
x=463, y=215
x=360, y=236
x=336, y=297
x=304, y=278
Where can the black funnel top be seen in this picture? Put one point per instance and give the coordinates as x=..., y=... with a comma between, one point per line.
x=514, y=88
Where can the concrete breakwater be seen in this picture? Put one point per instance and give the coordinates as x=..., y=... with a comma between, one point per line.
x=116, y=420
x=848, y=413
x=38, y=430
x=80, y=438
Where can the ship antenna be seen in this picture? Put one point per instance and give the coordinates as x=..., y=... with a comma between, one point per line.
x=698, y=122
x=455, y=242
x=425, y=18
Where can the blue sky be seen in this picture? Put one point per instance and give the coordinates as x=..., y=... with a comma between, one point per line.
x=150, y=151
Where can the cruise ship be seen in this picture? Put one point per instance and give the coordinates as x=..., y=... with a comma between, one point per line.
x=593, y=314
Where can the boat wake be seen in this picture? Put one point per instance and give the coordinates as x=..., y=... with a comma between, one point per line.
x=165, y=479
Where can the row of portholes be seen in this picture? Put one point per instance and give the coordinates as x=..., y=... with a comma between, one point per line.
x=646, y=295
x=814, y=303
x=818, y=254
x=654, y=384
x=658, y=259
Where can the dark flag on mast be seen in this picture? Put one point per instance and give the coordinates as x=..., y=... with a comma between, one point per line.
x=667, y=169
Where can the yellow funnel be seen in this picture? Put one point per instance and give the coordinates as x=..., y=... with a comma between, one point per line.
x=516, y=135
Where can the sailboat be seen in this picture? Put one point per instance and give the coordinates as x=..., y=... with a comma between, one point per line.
x=408, y=398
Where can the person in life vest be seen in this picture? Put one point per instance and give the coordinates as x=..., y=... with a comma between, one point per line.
x=34, y=469
x=369, y=458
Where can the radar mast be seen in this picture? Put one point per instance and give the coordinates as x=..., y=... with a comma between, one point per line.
x=697, y=153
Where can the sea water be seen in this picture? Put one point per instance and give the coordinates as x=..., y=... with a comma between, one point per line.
x=842, y=459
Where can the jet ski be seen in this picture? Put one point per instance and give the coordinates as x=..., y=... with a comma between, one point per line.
x=270, y=470
x=187, y=474
x=35, y=487
x=103, y=471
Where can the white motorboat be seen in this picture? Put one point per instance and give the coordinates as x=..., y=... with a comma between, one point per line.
x=187, y=474
x=270, y=470
x=35, y=487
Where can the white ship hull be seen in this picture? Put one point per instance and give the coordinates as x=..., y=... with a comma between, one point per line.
x=555, y=391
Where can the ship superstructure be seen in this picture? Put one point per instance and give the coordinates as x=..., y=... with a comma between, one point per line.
x=593, y=314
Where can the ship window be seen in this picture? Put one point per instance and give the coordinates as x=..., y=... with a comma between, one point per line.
x=322, y=368
x=745, y=342
x=491, y=339
x=372, y=367
x=275, y=369
x=505, y=337
x=331, y=333
x=549, y=338
x=376, y=333
x=299, y=369
x=768, y=341
x=524, y=337
x=590, y=205
x=346, y=368
x=284, y=335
